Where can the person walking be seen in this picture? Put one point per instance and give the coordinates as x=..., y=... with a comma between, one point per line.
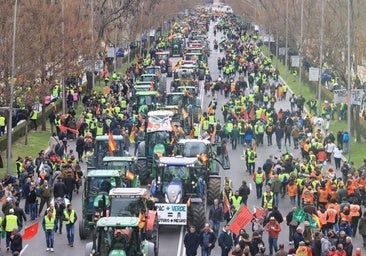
x=46, y=196
x=19, y=212
x=225, y=241
x=215, y=216
x=49, y=226
x=273, y=228
x=191, y=241
x=59, y=207
x=70, y=218
x=279, y=135
x=207, y=240
x=16, y=244
x=9, y=224
x=244, y=191
x=259, y=178
x=33, y=202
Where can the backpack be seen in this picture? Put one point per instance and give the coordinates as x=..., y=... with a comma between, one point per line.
x=302, y=251
x=270, y=128
x=345, y=137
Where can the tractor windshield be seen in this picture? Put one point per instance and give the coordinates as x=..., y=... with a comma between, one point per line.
x=102, y=183
x=176, y=172
x=193, y=149
x=173, y=100
x=126, y=206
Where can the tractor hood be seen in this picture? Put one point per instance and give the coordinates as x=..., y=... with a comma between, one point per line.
x=174, y=191
x=117, y=253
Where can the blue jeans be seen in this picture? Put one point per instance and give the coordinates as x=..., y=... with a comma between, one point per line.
x=258, y=188
x=50, y=238
x=277, y=198
x=293, y=201
x=206, y=251
x=33, y=211
x=272, y=243
x=70, y=230
x=215, y=225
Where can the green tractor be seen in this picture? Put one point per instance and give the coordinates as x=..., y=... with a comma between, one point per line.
x=180, y=181
x=101, y=149
x=127, y=167
x=212, y=156
x=176, y=47
x=145, y=101
x=135, y=202
x=157, y=143
x=162, y=59
x=119, y=236
x=95, y=198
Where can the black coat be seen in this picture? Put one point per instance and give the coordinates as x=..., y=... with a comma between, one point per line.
x=225, y=240
x=16, y=243
x=191, y=242
x=212, y=239
x=59, y=189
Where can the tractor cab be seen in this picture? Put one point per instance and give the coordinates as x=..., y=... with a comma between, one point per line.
x=127, y=167
x=119, y=236
x=155, y=70
x=101, y=149
x=145, y=101
x=162, y=60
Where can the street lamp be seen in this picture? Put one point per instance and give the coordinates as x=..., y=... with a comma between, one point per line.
x=286, y=43
x=349, y=69
x=321, y=56
x=301, y=37
x=10, y=121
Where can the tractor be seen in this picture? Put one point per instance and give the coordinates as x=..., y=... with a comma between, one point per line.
x=127, y=166
x=179, y=180
x=101, y=149
x=162, y=59
x=119, y=236
x=157, y=143
x=176, y=47
x=135, y=202
x=145, y=101
x=95, y=197
x=211, y=155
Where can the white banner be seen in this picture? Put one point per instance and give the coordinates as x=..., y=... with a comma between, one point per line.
x=281, y=51
x=356, y=96
x=313, y=74
x=295, y=61
x=340, y=96
x=172, y=214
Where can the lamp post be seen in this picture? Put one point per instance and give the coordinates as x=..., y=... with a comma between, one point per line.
x=286, y=43
x=92, y=38
x=63, y=56
x=349, y=69
x=321, y=56
x=10, y=121
x=300, y=51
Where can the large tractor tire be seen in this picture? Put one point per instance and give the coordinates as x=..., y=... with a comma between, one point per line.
x=201, y=74
x=198, y=216
x=214, y=188
x=83, y=230
x=142, y=171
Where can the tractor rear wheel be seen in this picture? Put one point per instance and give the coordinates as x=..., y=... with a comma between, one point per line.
x=142, y=171
x=198, y=216
x=83, y=230
x=214, y=188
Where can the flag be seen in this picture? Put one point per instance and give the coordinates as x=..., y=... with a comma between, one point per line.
x=226, y=204
x=213, y=135
x=185, y=113
x=259, y=212
x=111, y=144
x=251, y=113
x=30, y=231
x=299, y=215
x=314, y=222
x=65, y=128
x=263, y=116
x=245, y=115
x=241, y=218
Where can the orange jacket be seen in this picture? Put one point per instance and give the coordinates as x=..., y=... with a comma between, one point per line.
x=331, y=215
x=292, y=189
x=322, y=195
x=354, y=210
x=308, y=196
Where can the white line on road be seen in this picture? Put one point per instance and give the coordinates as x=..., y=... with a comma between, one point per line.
x=180, y=243
x=23, y=250
x=250, y=186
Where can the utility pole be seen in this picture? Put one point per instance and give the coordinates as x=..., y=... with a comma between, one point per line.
x=286, y=43
x=92, y=38
x=349, y=70
x=300, y=51
x=321, y=56
x=63, y=58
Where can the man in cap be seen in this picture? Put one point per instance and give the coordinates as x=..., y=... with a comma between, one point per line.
x=9, y=224
x=273, y=228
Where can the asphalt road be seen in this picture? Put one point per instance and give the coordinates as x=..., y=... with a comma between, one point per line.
x=171, y=237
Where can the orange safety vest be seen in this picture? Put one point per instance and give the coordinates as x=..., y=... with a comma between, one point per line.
x=323, y=195
x=331, y=215
x=308, y=196
x=292, y=190
x=354, y=210
x=333, y=194
x=322, y=217
x=345, y=217
x=351, y=187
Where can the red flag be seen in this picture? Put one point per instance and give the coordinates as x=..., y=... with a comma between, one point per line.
x=245, y=115
x=259, y=212
x=226, y=204
x=31, y=231
x=241, y=218
x=65, y=128
x=112, y=144
x=251, y=113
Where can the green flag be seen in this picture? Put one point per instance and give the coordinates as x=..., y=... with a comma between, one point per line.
x=299, y=215
x=313, y=223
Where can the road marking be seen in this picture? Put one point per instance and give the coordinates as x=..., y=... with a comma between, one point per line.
x=180, y=243
x=250, y=186
x=24, y=248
